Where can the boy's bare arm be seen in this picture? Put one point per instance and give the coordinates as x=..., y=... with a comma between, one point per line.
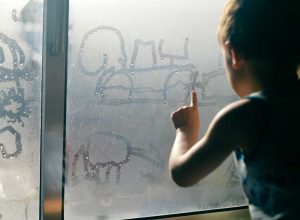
x=238, y=124
x=186, y=122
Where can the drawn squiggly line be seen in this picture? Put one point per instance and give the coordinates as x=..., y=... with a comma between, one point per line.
x=92, y=170
x=105, y=57
x=13, y=95
x=173, y=57
x=107, y=74
x=13, y=106
x=137, y=44
x=18, y=143
x=14, y=49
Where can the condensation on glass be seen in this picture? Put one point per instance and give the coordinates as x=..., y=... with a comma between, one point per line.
x=20, y=98
x=131, y=63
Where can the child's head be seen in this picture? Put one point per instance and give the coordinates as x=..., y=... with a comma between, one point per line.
x=264, y=30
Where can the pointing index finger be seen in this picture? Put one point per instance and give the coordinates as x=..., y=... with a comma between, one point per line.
x=194, y=99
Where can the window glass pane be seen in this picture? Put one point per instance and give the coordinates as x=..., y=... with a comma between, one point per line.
x=131, y=63
x=20, y=94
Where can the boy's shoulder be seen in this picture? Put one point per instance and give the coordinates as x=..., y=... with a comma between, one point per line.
x=245, y=109
x=243, y=121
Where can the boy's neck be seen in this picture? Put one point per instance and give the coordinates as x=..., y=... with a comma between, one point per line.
x=267, y=76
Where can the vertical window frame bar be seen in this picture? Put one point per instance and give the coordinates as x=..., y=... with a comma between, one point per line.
x=53, y=111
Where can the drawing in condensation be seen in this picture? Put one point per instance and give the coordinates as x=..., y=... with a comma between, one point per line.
x=13, y=106
x=137, y=84
x=106, y=142
x=143, y=84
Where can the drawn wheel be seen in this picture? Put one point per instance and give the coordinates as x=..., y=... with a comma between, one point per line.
x=117, y=87
x=178, y=85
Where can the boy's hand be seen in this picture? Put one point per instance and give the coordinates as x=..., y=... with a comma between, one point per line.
x=186, y=118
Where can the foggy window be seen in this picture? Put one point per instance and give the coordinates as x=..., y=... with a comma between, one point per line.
x=20, y=97
x=131, y=63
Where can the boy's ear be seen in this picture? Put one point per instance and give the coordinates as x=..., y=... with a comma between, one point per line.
x=237, y=58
